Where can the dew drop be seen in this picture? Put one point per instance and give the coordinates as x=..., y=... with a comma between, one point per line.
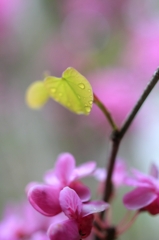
x=89, y=90
x=90, y=102
x=81, y=85
x=88, y=109
x=79, y=96
x=53, y=90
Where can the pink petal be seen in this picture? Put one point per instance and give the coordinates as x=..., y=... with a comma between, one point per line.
x=139, y=198
x=70, y=203
x=154, y=171
x=50, y=178
x=135, y=183
x=143, y=178
x=45, y=199
x=64, y=230
x=39, y=236
x=152, y=208
x=85, y=225
x=84, y=170
x=58, y=218
x=119, y=173
x=82, y=190
x=64, y=167
x=100, y=174
x=93, y=207
x=30, y=185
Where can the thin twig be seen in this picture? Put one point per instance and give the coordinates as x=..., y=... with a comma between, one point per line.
x=128, y=224
x=108, y=184
x=106, y=112
x=139, y=103
x=111, y=162
x=124, y=219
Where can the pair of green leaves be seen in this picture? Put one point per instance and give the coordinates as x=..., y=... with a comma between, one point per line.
x=72, y=90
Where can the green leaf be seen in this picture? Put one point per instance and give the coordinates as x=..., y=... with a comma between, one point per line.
x=73, y=91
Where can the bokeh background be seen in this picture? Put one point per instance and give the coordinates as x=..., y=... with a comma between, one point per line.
x=115, y=44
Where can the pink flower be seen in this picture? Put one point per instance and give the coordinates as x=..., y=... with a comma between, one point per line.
x=65, y=171
x=145, y=197
x=45, y=197
x=22, y=221
x=80, y=216
x=119, y=174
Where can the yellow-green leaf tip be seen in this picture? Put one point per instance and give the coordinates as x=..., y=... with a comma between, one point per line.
x=36, y=95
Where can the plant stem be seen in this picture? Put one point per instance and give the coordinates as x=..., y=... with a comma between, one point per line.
x=129, y=224
x=117, y=136
x=108, y=184
x=105, y=111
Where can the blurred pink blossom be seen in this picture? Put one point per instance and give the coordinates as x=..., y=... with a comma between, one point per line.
x=110, y=9
x=9, y=42
x=8, y=12
x=9, y=9
x=141, y=54
x=145, y=196
x=22, y=221
x=119, y=174
x=117, y=89
x=87, y=5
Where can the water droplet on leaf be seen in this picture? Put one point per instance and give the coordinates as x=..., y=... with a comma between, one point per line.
x=81, y=85
x=88, y=109
x=53, y=90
